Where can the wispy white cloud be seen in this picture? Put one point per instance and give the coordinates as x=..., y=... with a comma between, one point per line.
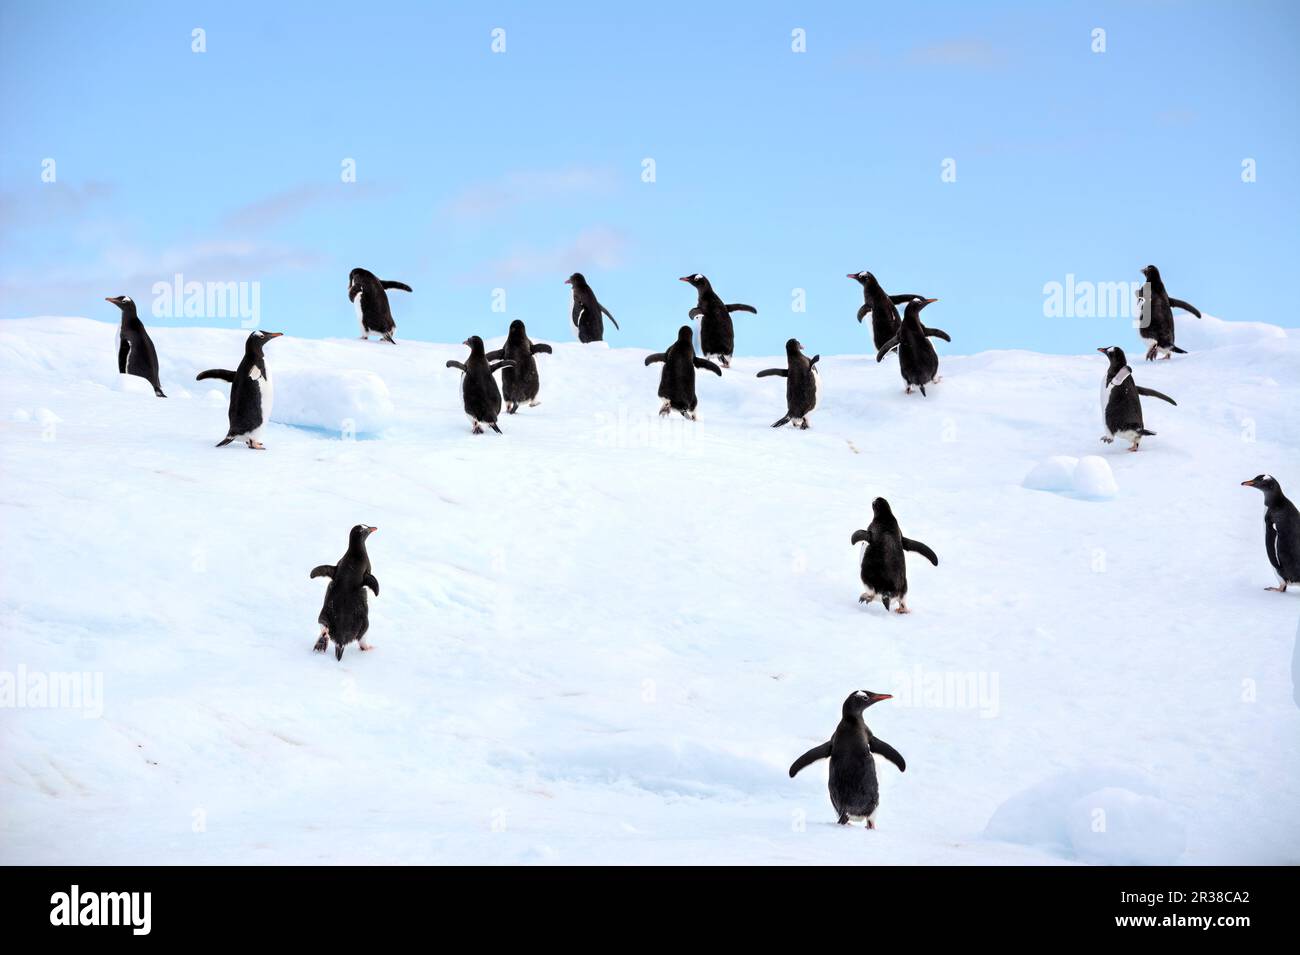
x=291, y=203
x=524, y=187
x=596, y=249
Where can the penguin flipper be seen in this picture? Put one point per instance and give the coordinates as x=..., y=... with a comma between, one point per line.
x=937, y=333
x=372, y=583
x=122, y=350
x=863, y=312
x=916, y=547
x=767, y=372
x=903, y=299
x=651, y=359
x=859, y=537
x=817, y=752
x=397, y=285
x=705, y=365
x=577, y=313
x=881, y=748
x=1152, y=393
x=1185, y=306
x=452, y=363
x=496, y=355
x=508, y=363
x=609, y=316
x=885, y=348
x=742, y=308
x=815, y=360
x=1270, y=545
x=220, y=373
x=324, y=570
x=353, y=292
x=541, y=349
x=694, y=313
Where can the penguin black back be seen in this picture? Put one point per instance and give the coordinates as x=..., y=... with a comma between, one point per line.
x=884, y=564
x=918, y=362
x=479, y=391
x=519, y=380
x=251, y=392
x=852, y=782
x=135, y=352
x=587, y=311
x=1120, y=402
x=801, y=384
x=345, y=612
x=1157, y=319
x=369, y=295
x=1281, y=531
x=677, y=382
x=717, y=334
x=882, y=307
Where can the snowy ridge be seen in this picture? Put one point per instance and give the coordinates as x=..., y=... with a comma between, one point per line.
x=604, y=636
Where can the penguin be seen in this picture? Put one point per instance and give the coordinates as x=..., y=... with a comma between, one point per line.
x=677, y=383
x=880, y=306
x=717, y=336
x=586, y=312
x=884, y=567
x=368, y=293
x=1156, y=308
x=251, y=392
x=854, y=789
x=917, y=360
x=1281, y=531
x=345, y=614
x=135, y=351
x=519, y=381
x=801, y=384
x=478, y=388
x=1120, y=405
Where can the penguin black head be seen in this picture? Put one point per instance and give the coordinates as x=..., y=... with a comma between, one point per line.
x=1152, y=275
x=698, y=281
x=1116, y=356
x=1266, y=483
x=517, y=329
x=475, y=346
x=258, y=339
x=124, y=302
x=880, y=508
x=359, y=534
x=859, y=700
x=793, y=347
x=913, y=310
x=577, y=280
x=685, y=334
x=865, y=278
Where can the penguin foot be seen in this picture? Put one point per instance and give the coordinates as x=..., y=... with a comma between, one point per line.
x=907, y=390
x=366, y=646
x=1277, y=590
x=1151, y=353
x=871, y=823
x=803, y=424
x=512, y=408
x=867, y=597
x=477, y=429
x=256, y=445
x=321, y=645
x=1134, y=448
x=667, y=407
x=902, y=608
x=534, y=403
x=1108, y=438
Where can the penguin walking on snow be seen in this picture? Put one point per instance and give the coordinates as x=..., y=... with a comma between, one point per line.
x=884, y=563
x=801, y=384
x=478, y=388
x=586, y=314
x=368, y=293
x=345, y=614
x=1281, y=531
x=854, y=788
x=677, y=383
x=882, y=307
x=717, y=334
x=251, y=392
x=135, y=351
x=918, y=362
x=1157, y=310
x=1120, y=405
x=519, y=380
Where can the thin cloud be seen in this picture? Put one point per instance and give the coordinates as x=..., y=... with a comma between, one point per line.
x=291, y=203
x=524, y=187
x=966, y=53
x=596, y=249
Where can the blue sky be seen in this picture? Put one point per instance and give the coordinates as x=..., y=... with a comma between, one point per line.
x=775, y=170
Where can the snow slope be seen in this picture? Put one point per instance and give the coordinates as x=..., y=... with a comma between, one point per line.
x=603, y=637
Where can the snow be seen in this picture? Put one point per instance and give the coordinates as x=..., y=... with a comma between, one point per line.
x=604, y=636
x=1088, y=478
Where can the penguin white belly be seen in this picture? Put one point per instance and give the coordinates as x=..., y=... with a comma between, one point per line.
x=356, y=303
x=573, y=326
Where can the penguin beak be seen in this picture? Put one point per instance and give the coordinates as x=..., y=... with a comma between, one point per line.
x=568, y=281
x=274, y=334
x=1102, y=350
x=371, y=531
x=877, y=697
x=930, y=301
x=465, y=343
x=685, y=278
x=1250, y=483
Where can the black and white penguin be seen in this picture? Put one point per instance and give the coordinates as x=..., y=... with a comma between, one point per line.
x=717, y=335
x=135, y=351
x=917, y=360
x=854, y=789
x=801, y=384
x=677, y=383
x=368, y=293
x=519, y=380
x=478, y=388
x=586, y=314
x=1281, y=531
x=1157, y=310
x=251, y=392
x=1120, y=405
x=880, y=306
x=345, y=614
x=884, y=563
